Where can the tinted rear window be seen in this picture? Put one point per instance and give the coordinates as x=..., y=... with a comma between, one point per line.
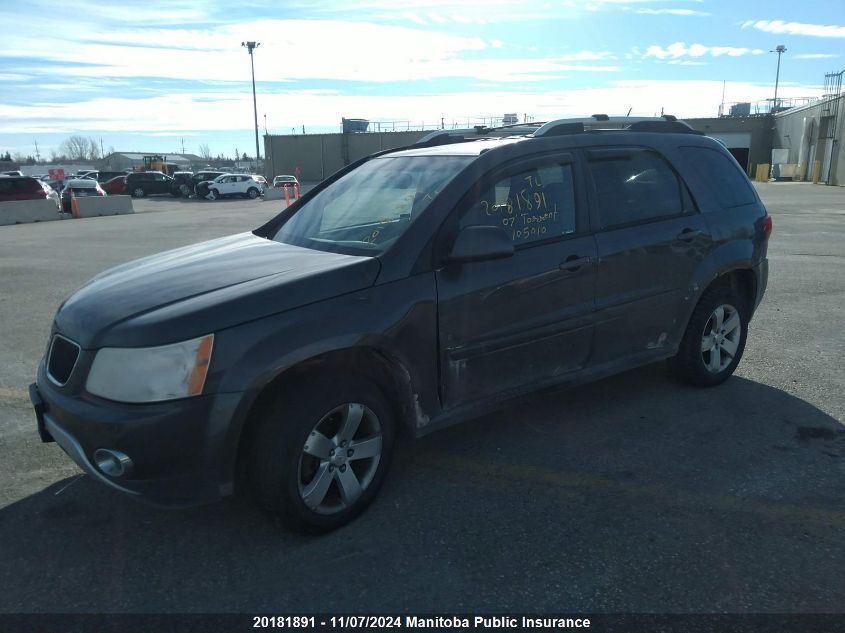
x=722, y=176
x=633, y=186
x=18, y=185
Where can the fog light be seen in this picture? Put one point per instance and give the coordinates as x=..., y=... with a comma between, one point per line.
x=112, y=463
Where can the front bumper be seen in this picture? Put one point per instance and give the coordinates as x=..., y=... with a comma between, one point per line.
x=181, y=450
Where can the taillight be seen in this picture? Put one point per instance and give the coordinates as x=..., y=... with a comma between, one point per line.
x=767, y=226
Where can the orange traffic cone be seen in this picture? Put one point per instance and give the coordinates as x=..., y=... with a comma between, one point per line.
x=287, y=197
x=74, y=205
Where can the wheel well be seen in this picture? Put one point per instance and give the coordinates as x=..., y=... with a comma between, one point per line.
x=742, y=281
x=388, y=374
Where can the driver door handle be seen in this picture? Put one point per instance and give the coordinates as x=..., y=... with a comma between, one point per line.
x=689, y=235
x=574, y=262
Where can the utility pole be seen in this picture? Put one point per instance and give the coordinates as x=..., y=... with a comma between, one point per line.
x=251, y=46
x=780, y=50
x=183, y=146
x=102, y=153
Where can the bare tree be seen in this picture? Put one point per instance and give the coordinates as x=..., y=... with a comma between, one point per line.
x=75, y=147
x=205, y=152
x=93, y=149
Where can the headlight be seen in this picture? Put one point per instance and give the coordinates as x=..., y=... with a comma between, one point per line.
x=151, y=374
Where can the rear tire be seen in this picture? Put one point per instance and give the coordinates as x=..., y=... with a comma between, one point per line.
x=303, y=466
x=138, y=192
x=714, y=340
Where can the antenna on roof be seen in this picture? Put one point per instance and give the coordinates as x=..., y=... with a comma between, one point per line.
x=629, y=112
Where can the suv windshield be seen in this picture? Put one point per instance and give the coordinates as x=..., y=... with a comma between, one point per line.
x=370, y=207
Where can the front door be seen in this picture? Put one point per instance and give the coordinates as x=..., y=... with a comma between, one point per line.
x=525, y=320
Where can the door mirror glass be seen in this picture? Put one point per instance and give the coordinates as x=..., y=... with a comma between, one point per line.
x=479, y=243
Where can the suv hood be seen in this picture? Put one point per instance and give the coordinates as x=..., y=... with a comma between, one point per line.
x=205, y=288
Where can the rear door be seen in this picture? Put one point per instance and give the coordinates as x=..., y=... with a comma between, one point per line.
x=650, y=237
x=511, y=323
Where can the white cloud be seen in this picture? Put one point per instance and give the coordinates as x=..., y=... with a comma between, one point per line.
x=680, y=49
x=586, y=56
x=222, y=112
x=670, y=12
x=413, y=17
x=292, y=50
x=816, y=56
x=796, y=28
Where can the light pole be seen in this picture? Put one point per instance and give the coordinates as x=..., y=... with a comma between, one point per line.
x=780, y=50
x=251, y=46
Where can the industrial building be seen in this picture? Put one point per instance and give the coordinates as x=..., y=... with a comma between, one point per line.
x=799, y=140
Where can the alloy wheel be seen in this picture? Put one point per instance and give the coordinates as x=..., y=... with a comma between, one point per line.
x=720, y=338
x=339, y=458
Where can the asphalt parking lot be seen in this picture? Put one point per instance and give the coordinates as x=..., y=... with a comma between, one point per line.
x=633, y=494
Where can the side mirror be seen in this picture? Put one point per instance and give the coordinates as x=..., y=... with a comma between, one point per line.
x=479, y=243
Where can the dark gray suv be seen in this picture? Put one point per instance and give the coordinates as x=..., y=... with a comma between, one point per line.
x=408, y=291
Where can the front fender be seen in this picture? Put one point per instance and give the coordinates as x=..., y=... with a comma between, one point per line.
x=397, y=320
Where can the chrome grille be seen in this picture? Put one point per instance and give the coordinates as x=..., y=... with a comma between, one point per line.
x=61, y=359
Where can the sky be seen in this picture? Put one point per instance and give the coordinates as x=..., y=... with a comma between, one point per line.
x=157, y=76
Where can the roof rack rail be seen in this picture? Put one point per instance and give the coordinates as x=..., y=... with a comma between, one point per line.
x=664, y=123
x=443, y=137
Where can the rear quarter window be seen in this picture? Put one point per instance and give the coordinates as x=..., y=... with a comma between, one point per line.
x=722, y=176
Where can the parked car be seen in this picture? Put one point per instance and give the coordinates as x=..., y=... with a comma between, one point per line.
x=105, y=176
x=201, y=180
x=281, y=181
x=80, y=188
x=260, y=180
x=14, y=188
x=115, y=186
x=227, y=185
x=411, y=289
x=14, y=172
x=182, y=183
x=148, y=183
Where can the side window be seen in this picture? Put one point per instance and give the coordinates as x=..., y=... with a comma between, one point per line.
x=722, y=176
x=632, y=186
x=530, y=205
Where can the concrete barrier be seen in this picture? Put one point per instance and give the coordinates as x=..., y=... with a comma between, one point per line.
x=94, y=206
x=26, y=211
x=274, y=193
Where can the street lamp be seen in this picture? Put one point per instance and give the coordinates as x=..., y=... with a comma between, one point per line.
x=780, y=50
x=251, y=46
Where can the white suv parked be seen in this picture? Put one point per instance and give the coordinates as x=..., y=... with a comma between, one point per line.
x=235, y=185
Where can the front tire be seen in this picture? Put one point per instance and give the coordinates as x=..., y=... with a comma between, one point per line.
x=714, y=340
x=321, y=452
x=252, y=193
x=213, y=194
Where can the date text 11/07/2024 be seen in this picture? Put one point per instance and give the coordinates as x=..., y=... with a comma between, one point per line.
x=427, y=622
